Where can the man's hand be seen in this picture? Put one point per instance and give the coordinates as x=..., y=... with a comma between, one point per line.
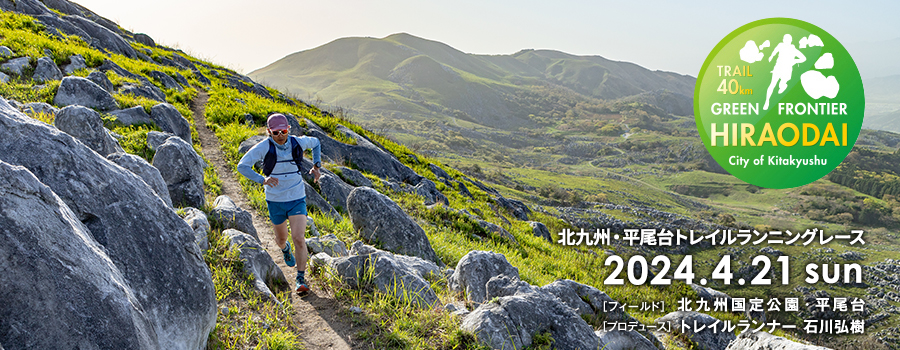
x=315, y=173
x=271, y=181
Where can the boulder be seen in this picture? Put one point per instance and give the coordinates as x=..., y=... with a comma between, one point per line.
x=46, y=70
x=201, y=78
x=146, y=239
x=166, y=80
x=475, y=269
x=753, y=340
x=132, y=116
x=682, y=322
x=428, y=190
x=184, y=62
x=511, y=322
x=366, y=156
x=247, y=144
x=101, y=80
x=28, y=7
x=115, y=68
x=267, y=276
x=379, y=219
x=354, y=177
x=156, y=139
x=503, y=285
x=624, y=340
x=4, y=78
x=144, y=39
x=80, y=91
x=334, y=189
x=496, y=230
x=181, y=79
x=710, y=294
x=518, y=209
x=71, y=8
x=169, y=119
x=6, y=52
x=35, y=108
x=328, y=244
x=315, y=200
x=437, y=171
x=229, y=215
x=586, y=300
x=60, y=288
x=85, y=124
x=199, y=223
x=540, y=230
x=101, y=37
x=147, y=90
x=182, y=169
x=76, y=62
x=145, y=171
x=17, y=65
x=400, y=276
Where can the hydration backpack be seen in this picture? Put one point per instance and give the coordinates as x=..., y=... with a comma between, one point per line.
x=272, y=158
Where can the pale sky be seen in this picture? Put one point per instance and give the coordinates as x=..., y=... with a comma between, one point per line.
x=660, y=35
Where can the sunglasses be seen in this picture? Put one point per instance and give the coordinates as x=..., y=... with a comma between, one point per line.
x=279, y=132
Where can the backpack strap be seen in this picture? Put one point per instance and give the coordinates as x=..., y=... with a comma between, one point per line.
x=297, y=154
x=272, y=157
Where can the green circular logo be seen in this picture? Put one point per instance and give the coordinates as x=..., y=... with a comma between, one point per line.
x=779, y=103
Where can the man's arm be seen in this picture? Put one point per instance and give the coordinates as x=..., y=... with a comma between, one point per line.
x=308, y=142
x=245, y=165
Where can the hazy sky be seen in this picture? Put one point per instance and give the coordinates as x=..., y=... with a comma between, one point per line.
x=665, y=35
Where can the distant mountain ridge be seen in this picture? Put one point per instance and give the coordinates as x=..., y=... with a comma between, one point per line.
x=411, y=75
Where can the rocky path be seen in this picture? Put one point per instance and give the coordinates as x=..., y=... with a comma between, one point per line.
x=322, y=326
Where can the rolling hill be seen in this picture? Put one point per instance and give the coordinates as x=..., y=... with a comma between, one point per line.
x=416, y=77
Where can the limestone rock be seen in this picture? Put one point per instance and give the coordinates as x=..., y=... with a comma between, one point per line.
x=709, y=294
x=328, y=244
x=80, y=91
x=227, y=213
x=428, y=190
x=354, y=177
x=101, y=37
x=752, y=340
x=624, y=340
x=475, y=269
x=132, y=116
x=16, y=65
x=76, y=62
x=267, y=276
x=46, y=70
x=200, y=224
x=156, y=138
x=147, y=90
x=60, y=288
x=707, y=338
x=166, y=80
x=147, y=172
x=169, y=119
x=393, y=274
x=540, y=230
x=151, y=245
x=511, y=322
x=379, y=219
x=84, y=124
x=144, y=39
x=101, y=80
x=334, y=189
x=182, y=169
x=34, y=108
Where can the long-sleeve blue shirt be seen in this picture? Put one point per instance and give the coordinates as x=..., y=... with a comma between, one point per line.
x=290, y=182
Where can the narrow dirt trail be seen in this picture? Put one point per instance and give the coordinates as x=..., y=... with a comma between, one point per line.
x=322, y=326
